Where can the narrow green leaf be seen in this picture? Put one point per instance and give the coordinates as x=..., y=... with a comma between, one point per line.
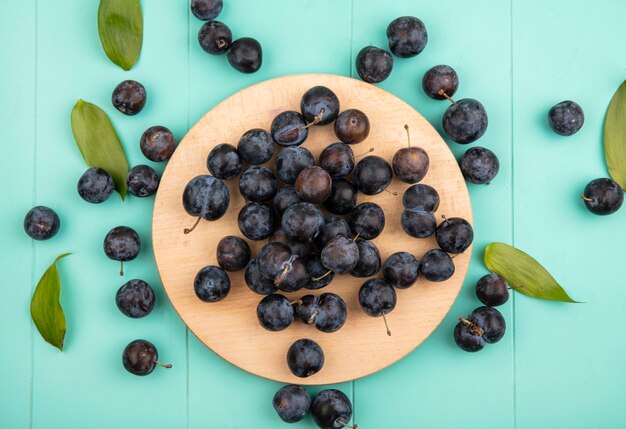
x=120, y=26
x=523, y=273
x=45, y=308
x=615, y=136
x=98, y=142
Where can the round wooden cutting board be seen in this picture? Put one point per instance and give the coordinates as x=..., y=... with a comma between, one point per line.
x=230, y=327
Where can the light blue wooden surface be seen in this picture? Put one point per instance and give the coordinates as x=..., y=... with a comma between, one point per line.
x=559, y=366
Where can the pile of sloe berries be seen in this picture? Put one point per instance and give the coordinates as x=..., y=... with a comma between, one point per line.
x=314, y=227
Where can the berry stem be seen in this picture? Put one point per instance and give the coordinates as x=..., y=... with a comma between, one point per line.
x=296, y=302
x=385, y=320
x=346, y=425
x=472, y=327
x=278, y=280
x=312, y=318
x=188, y=230
x=589, y=200
x=317, y=279
x=408, y=135
x=316, y=120
x=394, y=193
x=446, y=96
x=356, y=237
x=364, y=153
x=121, y=268
x=169, y=365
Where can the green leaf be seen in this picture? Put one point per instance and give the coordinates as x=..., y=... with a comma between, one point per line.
x=98, y=142
x=45, y=308
x=615, y=136
x=524, y=273
x=120, y=26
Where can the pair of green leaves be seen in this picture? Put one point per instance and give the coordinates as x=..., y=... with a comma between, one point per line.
x=523, y=273
x=98, y=142
x=615, y=136
x=120, y=26
x=45, y=307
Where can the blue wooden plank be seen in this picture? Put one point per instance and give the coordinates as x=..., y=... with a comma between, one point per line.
x=438, y=385
x=17, y=113
x=569, y=361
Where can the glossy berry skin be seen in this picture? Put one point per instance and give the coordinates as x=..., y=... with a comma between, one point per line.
x=454, y=235
x=95, y=185
x=330, y=407
x=410, y=164
x=41, y=223
x=129, y=97
x=215, y=37
x=352, y=126
x=421, y=197
x=369, y=259
x=258, y=183
x=333, y=227
x=211, y=284
x=418, y=223
x=566, y=118
x=140, y=357
x=603, y=196
x=292, y=403
x=342, y=197
x=316, y=269
x=372, y=175
x=256, y=146
x=294, y=275
x=437, y=266
x=285, y=198
x=302, y=222
x=328, y=312
x=367, y=220
x=492, y=290
x=307, y=308
x=491, y=321
x=256, y=221
x=245, y=55
x=135, y=299
x=376, y=297
x=313, y=184
x=142, y=181
x=467, y=338
x=288, y=129
x=332, y=315
x=401, y=270
x=157, y=143
x=275, y=312
x=340, y=255
x=255, y=280
x=272, y=259
x=298, y=248
x=305, y=358
x=337, y=159
x=122, y=244
x=206, y=9
x=407, y=36
x=291, y=161
x=206, y=197
x=373, y=64
x=224, y=162
x=465, y=121
x=319, y=104
x=479, y=165
x=233, y=253
x=440, y=78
